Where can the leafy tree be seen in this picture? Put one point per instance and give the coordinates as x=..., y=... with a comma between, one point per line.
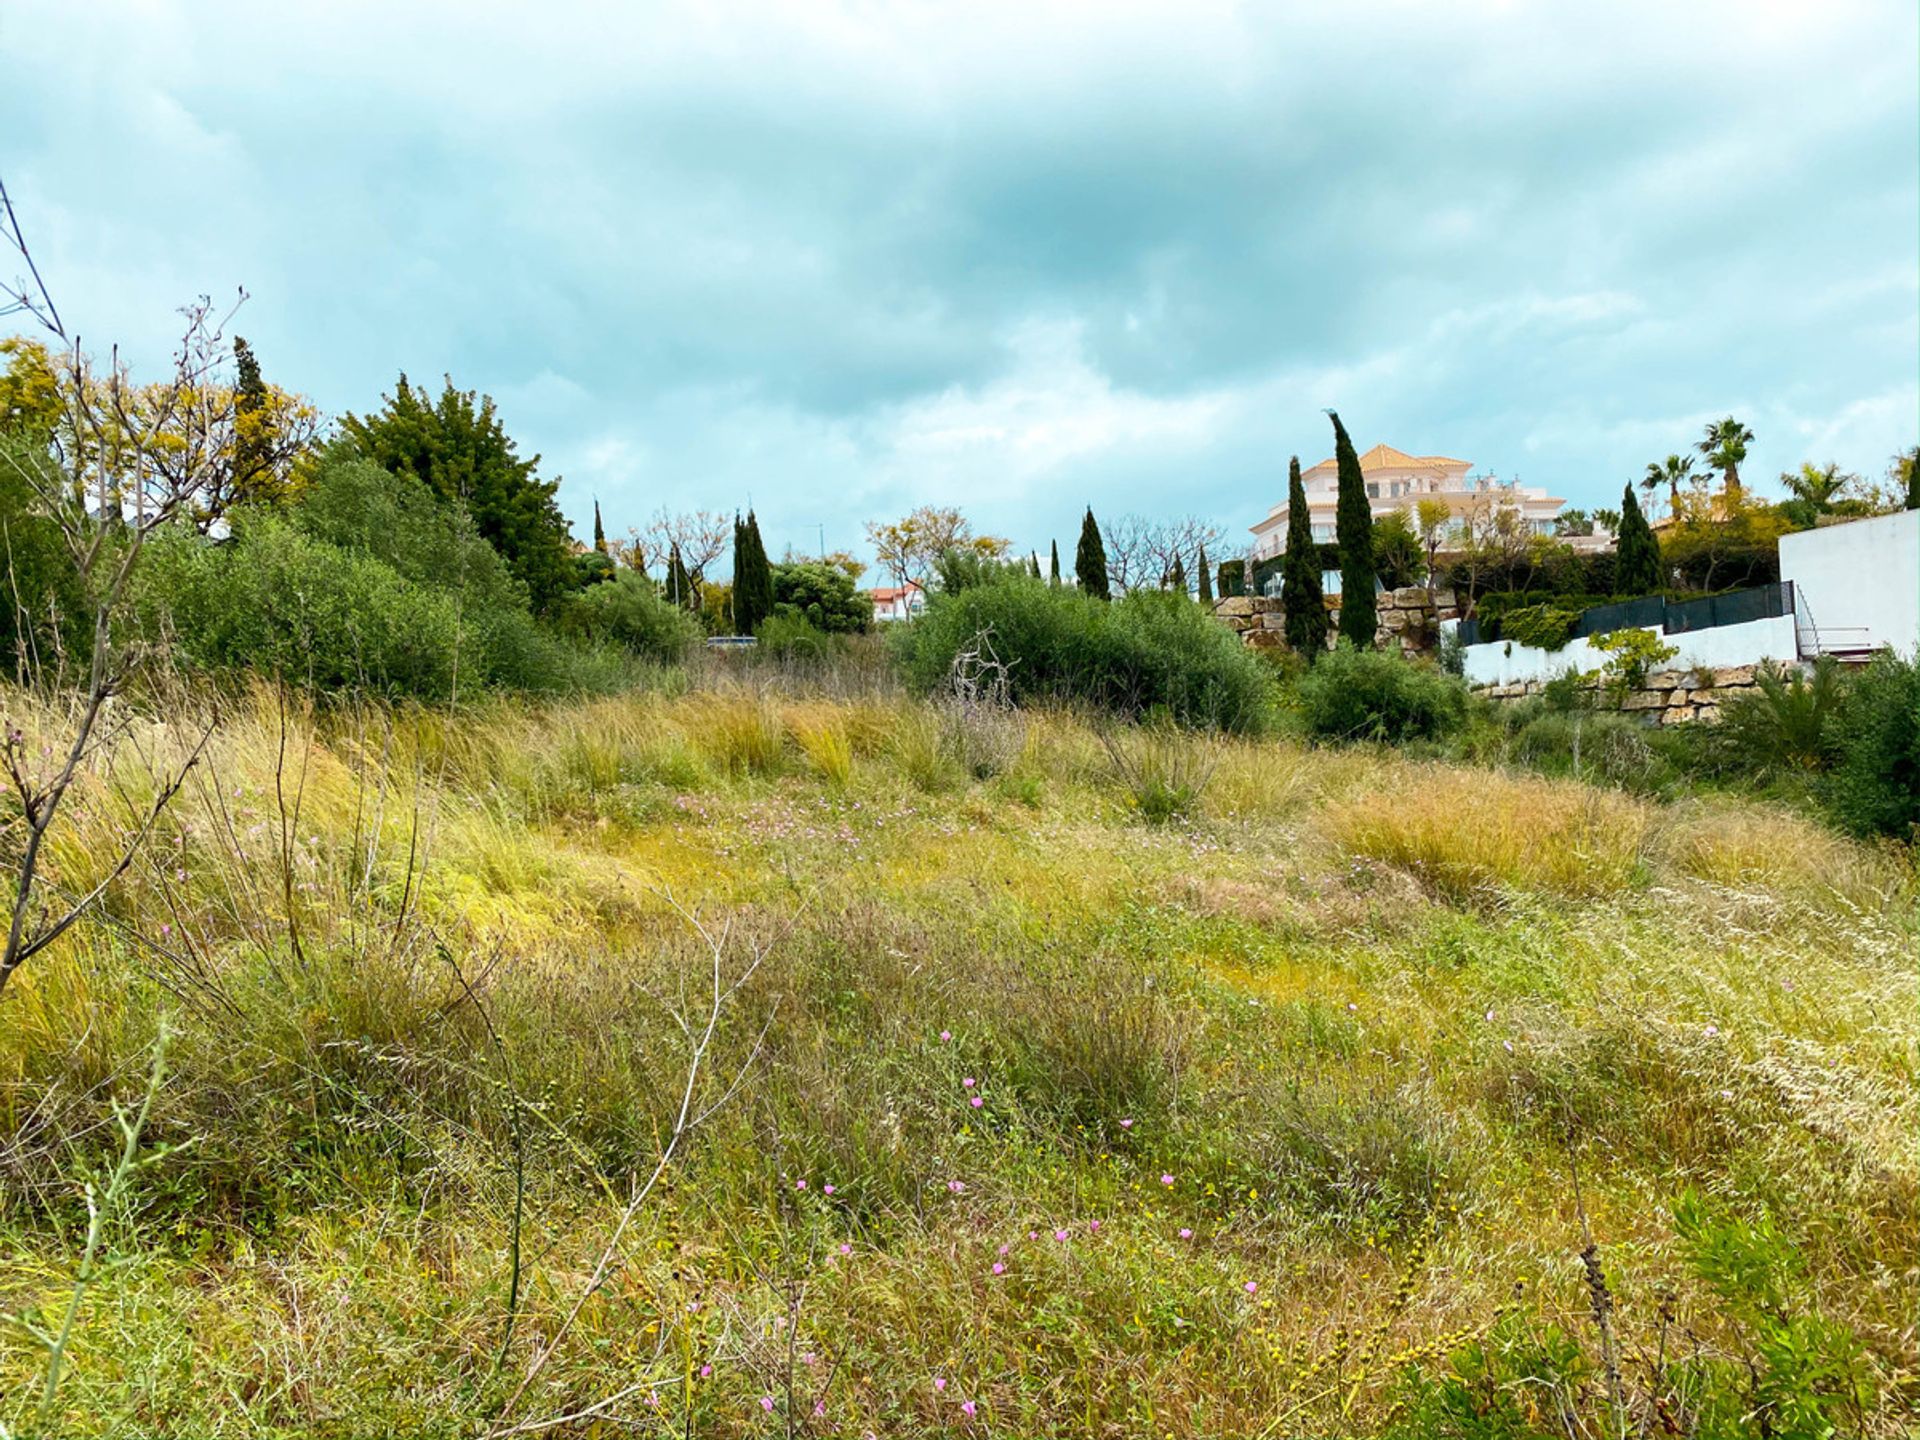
x=911, y=546
x=1725, y=446
x=1432, y=519
x=1353, y=528
x=752, y=577
x=1301, y=599
x=1905, y=474
x=29, y=388
x=823, y=595
x=1722, y=540
x=1090, y=560
x=1396, y=550
x=1205, y=578
x=1637, y=566
x=1053, y=563
x=458, y=446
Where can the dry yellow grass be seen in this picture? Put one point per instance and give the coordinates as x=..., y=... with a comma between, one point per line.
x=1467, y=830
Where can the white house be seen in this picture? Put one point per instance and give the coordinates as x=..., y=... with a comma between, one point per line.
x=897, y=602
x=1398, y=481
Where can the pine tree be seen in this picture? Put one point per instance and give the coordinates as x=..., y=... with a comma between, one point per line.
x=1090, y=560
x=1206, y=580
x=1301, y=599
x=1053, y=568
x=599, y=530
x=1177, y=577
x=1636, y=565
x=752, y=577
x=1353, y=528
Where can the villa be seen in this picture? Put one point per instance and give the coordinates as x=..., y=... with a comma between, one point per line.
x=897, y=602
x=1399, y=481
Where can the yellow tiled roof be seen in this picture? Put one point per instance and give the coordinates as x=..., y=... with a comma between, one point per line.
x=1385, y=457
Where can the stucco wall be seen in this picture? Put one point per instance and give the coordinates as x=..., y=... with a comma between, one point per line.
x=1859, y=583
x=1501, y=662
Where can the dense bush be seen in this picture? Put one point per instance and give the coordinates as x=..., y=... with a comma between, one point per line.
x=1373, y=695
x=44, y=614
x=280, y=602
x=823, y=595
x=629, y=612
x=1874, y=786
x=787, y=634
x=1149, y=651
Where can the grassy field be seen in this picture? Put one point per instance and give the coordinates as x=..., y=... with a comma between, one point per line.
x=1062, y=1084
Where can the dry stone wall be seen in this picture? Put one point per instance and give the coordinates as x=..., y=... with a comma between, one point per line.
x=1669, y=697
x=1409, y=619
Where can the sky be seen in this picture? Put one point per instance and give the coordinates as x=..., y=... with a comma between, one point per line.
x=837, y=260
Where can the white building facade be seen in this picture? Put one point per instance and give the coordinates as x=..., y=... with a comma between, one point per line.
x=1398, y=481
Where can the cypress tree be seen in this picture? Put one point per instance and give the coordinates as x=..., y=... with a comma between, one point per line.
x=1353, y=528
x=752, y=580
x=1206, y=580
x=1034, y=556
x=1090, y=560
x=599, y=530
x=1053, y=570
x=252, y=449
x=1177, y=577
x=1300, y=596
x=679, y=584
x=1636, y=565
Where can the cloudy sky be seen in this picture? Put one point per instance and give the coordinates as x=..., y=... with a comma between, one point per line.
x=838, y=260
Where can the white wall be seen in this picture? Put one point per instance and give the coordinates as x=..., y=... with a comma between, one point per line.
x=1858, y=583
x=1501, y=662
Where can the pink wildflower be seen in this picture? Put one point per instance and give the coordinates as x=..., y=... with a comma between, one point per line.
x=826, y=1189
x=956, y=1186
x=1126, y=1124
x=846, y=1249
x=969, y=1082
x=1060, y=1235
x=946, y=1034
x=1185, y=1234
x=799, y=1184
x=967, y=1407
x=998, y=1268
x=976, y=1102
x=1252, y=1286
x=766, y=1403
x=1166, y=1179
x=939, y=1382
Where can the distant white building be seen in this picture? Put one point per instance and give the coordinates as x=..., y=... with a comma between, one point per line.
x=897, y=602
x=1398, y=481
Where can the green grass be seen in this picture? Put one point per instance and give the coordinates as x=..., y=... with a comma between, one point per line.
x=1368, y=1014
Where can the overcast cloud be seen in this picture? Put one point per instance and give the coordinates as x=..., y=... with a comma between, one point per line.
x=842, y=259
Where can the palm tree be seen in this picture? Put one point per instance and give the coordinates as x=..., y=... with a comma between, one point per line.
x=1725, y=446
x=1675, y=472
x=1814, y=488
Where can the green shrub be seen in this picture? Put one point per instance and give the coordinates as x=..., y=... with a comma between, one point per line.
x=1591, y=745
x=44, y=613
x=1874, y=786
x=1373, y=695
x=1150, y=651
x=823, y=594
x=629, y=612
x=280, y=602
x=789, y=635
x=1785, y=723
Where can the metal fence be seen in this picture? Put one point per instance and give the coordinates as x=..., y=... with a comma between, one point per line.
x=1736, y=607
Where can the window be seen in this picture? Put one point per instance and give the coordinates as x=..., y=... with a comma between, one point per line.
x=1373, y=489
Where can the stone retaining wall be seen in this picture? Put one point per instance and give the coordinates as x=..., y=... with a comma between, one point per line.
x=1670, y=697
x=1409, y=618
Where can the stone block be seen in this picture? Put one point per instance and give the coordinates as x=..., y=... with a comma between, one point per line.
x=1666, y=680
x=1444, y=600
x=1394, y=620
x=1644, y=700
x=1410, y=597
x=1266, y=639
x=1734, y=675
x=1676, y=715
x=1266, y=604
x=1273, y=620
x=1707, y=714
x=1234, y=607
